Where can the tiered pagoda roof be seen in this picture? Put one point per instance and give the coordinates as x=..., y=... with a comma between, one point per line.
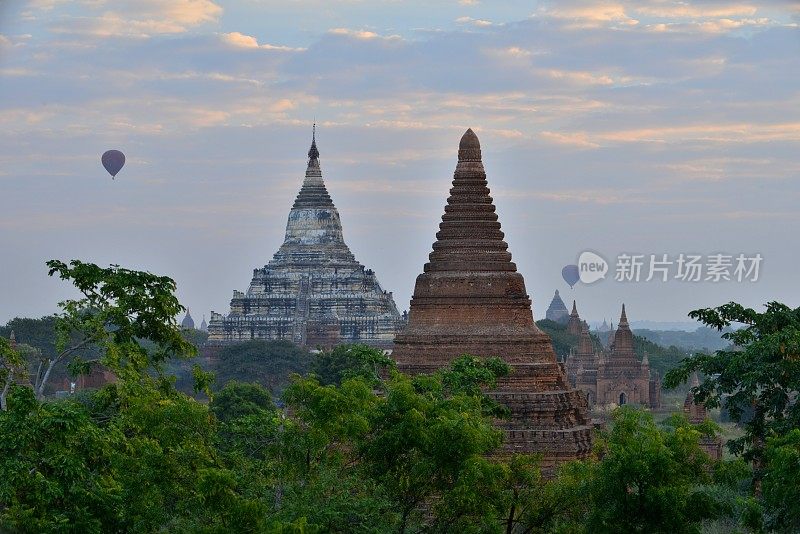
x=312, y=291
x=470, y=299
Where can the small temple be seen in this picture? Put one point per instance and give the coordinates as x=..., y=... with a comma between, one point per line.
x=187, y=322
x=313, y=292
x=574, y=324
x=697, y=413
x=613, y=375
x=470, y=299
x=557, y=311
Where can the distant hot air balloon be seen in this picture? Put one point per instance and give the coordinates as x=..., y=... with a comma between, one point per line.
x=570, y=274
x=113, y=160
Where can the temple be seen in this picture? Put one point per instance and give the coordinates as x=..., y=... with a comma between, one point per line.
x=187, y=322
x=696, y=413
x=470, y=299
x=613, y=376
x=313, y=292
x=574, y=324
x=557, y=311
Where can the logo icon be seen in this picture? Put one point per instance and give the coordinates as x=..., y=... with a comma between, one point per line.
x=591, y=267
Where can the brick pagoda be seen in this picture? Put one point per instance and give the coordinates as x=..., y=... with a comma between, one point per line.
x=470, y=299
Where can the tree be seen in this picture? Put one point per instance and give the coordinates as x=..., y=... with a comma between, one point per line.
x=562, y=341
x=120, y=309
x=350, y=361
x=760, y=373
x=428, y=442
x=646, y=479
x=56, y=465
x=269, y=363
x=780, y=488
x=418, y=447
x=12, y=366
x=239, y=399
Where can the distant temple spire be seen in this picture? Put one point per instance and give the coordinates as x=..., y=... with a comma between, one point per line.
x=12, y=340
x=574, y=322
x=623, y=338
x=557, y=311
x=188, y=322
x=203, y=324
x=313, y=153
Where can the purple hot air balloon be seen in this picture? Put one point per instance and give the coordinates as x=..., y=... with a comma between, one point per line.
x=570, y=274
x=113, y=160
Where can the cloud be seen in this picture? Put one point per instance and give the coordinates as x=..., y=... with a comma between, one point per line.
x=478, y=23
x=590, y=15
x=709, y=26
x=686, y=10
x=241, y=40
x=578, y=77
x=579, y=139
x=362, y=35
x=139, y=18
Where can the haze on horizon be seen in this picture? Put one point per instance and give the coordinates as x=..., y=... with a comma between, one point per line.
x=649, y=127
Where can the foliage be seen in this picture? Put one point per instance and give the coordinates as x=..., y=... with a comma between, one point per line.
x=36, y=341
x=358, y=448
x=39, y=333
x=781, y=490
x=128, y=316
x=562, y=340
x=55, y=464
x=350, y=361
x=420, y=444
x=703, y=339
x=646, y=478
x=12, y=366
x=761, y=371
x=661, y=358
x=239, y=399
x=269, y=363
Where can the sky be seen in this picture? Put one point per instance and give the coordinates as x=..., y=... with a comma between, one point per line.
x=643, y=127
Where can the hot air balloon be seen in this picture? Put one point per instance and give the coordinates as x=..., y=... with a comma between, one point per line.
x=570, y=274
x=113, y=160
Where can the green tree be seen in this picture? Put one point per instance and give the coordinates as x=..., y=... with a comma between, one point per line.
x=239, y=399
x=647, y=478
x=12, y=366
x=781, y=491
x=562, y=340
x=56, y=471
x=349, y=361
x=759, y=374
x=120, y=311
x=269, y=363
x=418, y=447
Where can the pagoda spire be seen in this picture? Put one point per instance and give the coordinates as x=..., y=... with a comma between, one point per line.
x=469, y=237
x=623, y=319
x=574, y=308
x=313, y=228
x=623, y=338
x=313, y=193
x=313, y=153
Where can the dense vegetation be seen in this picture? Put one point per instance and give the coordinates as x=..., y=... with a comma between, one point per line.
x=358, y=447
x=269, y=363
x=703, y=339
